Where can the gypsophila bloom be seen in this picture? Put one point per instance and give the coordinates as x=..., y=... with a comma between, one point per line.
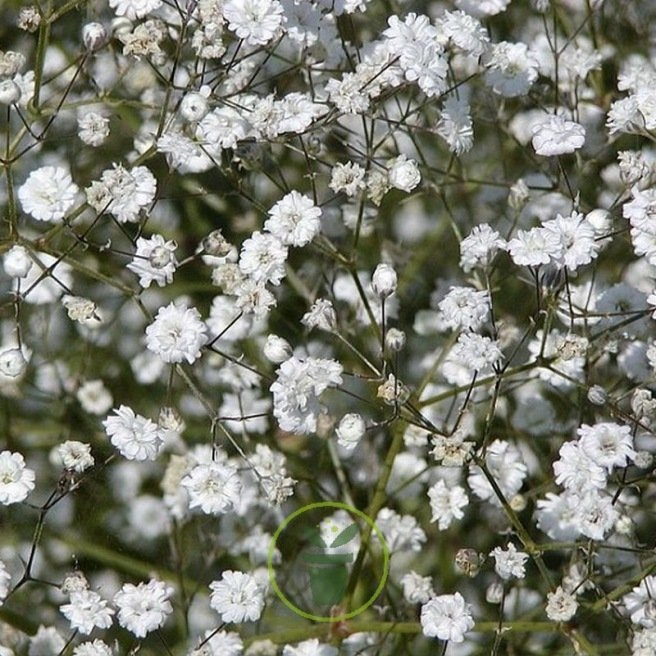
x=350, y=431
x=455, y=125
x=86, y=611
x=75, y=456
x=79, y=309
x=509, y=563
x=505, y=465
x=295, y=220
x=177, y=334
x=403, y=173
x=416, y=589
x=133, y=9
x=16, y=480
x=637, y=603
x=10, y=92
x=93, y=128
x=447, y=617
x=321, y=315
x=154, y=261
x=48, y=193
x=214, y=488
x=255, y=21
x=12, y=363
x=479, y=248
x=94, y=397
x=348, y=178
x=237, y=597
x=263, y=258
x=384, y=280
x=561, y=605
x=296, y=391
x=512, y=69
x=607, y=444
x=465, y=308
x=136, y=437
x=447, y=503
x=122, y=193
x=277, y=349
x=95, y=648
x=557, y=136
x=46, y=642
x=17, y=262
x=144, y=607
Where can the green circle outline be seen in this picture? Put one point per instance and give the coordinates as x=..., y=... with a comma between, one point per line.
x=349, y=509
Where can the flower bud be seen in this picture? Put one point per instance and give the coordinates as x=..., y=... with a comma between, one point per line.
x=276, y=349
x=519, y=195
x=161, y=256
x=643, y=459
x=17, y=262
x=216, y=244
x=394, y=340
x=94, y=36
x=194, y=107
x=404, y=174
x=12, y=363
x=10, y=92
x=350, y=431
x=384, y=281
x=600, y=220
x=494, y=593
x=469, y=561
x=170, y=420
x=29, y=19
x=597, y=395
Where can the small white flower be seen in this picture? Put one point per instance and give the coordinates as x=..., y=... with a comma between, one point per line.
x=143, y=608
x=350, y=430
x=136, y=437
x=447, y=503
x=237, y=597
x=12, y=363
x=17, y=262
x=75, y=456
x=384, y=280
x=311, y=647
x=95, y=648
x=294, y=219
x=86, y=611
x=509, y=563
x=16, y=480
x=154, y=261
x=177, y=334
x=214, y=488
x=93, y=128
x=277, y=349
x=561, y=605
x=447, y=617
x=417, y=589
x=94, y=397
x=255, y=21
x=403, y=173
x=48, y=193
x=557, y=136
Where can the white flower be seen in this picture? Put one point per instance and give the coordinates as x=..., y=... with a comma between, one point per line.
x=17, y=262
x=94, y=397
x=255, y=21
x=133, y=9
x=384, y=280
x=143, y=608
x=12, y=363
x=416, y=589
x=263, y=258
x=296, y=392
x=504, y=463
x=557, y=136
x=223, y=643
x=465, y=308
x=136, y=437
x=16, y=480
x=509, y=563
x=46, y=642
x=576, y=471
x=294, y=219
x=93, y=128
x=237, y=597
x=403, y=173
x=348, y=178
x=48, y=193
x=350, y=430
x=455, y=125
x=154, y=261
x=533, y=247
x=607, y=444
x=447, y=617
x=561, y=605
x=177, y=334
x=214, y=487
x=277, y=349
x=638, y=602
x=95, y=648
x=401, y=532
x=321, y=315
x=577, y=240
x=479, y=247
x=512, y=69
x=447, y=503
x=75, y=456
x=123, y=193
x=86, y=611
